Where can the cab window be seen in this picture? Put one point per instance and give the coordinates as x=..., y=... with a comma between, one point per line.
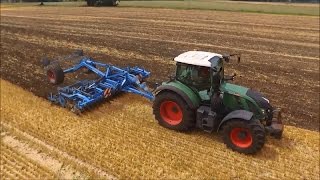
x=195, y=76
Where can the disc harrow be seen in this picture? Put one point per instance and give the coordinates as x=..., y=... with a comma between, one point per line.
x=111, y=80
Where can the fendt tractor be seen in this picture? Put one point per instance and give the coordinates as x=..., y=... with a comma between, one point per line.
x=198, y=96
x=103, y=2
x=201, y=96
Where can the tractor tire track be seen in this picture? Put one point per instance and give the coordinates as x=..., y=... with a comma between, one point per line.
x=45, y=160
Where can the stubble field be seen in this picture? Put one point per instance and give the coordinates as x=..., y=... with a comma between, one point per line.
x=280, y=58
x=122, y=140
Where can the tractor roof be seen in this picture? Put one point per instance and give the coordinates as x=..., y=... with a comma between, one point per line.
x=198, y=58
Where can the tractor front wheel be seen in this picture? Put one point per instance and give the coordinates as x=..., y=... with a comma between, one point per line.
x=172, y=112
x=246, y=137
x=55, y=74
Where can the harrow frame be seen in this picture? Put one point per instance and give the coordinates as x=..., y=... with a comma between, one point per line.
x=111, y=80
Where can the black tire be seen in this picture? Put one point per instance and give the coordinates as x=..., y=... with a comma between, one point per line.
x=252, y=128
x=55, y=74
x=185, y=123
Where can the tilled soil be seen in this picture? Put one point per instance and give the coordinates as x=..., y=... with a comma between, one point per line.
x=280, y=54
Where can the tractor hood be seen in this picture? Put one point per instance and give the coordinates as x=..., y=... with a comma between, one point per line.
x=234, y=89
x=248, y=94
x=259, y=99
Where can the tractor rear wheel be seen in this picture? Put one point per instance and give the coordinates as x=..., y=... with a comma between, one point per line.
x=246, y=137
x=55, y=74
x=172, y=112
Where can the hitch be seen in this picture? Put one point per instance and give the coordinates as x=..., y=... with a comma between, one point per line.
x=276, y=127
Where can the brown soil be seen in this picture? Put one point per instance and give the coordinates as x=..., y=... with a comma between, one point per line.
x=280, y=53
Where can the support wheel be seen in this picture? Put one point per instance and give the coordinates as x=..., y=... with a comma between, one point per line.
x=55, y=74
x=172, y=112
x=246, y=137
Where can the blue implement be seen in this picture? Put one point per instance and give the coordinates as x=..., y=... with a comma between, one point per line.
x=111, y=80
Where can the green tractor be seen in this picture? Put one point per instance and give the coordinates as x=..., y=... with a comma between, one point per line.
x=201, y=96
x=103, y=2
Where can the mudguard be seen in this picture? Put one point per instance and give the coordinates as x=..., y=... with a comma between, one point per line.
x=178, y=91
x=237, y=114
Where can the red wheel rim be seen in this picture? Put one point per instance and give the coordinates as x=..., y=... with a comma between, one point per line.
x=171, y=112
x=241, y=137
x=51, y=76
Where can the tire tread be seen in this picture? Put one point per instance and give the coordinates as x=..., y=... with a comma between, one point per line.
x=256, y=129
x=188, y=121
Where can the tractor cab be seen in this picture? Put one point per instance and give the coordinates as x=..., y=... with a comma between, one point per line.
x=201, y=71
